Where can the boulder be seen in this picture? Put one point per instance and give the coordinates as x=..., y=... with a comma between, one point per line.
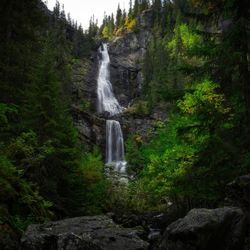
x=206, y=229
x=81, y=233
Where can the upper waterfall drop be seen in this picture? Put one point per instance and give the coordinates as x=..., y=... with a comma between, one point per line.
x=106, y=99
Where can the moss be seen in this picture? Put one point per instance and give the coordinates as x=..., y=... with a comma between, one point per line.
x=80, y=66
x=139, y=108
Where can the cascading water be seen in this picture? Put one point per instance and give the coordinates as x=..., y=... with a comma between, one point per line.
x=106, y=99
x=115, y=146
x=108, y=103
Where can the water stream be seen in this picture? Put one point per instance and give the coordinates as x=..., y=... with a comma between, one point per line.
x=108, y=103
x=106, y=99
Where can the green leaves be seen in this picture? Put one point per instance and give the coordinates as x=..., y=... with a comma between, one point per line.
x=21, y=197
x=6, y=110
x=179, y=164
x=204, y=102
x=95, y=184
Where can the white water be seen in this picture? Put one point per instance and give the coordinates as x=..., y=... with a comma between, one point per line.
x=115, y=146
x=108, y=103
x=106, y=99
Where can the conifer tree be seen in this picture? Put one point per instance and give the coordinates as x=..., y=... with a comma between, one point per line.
x=118, y=22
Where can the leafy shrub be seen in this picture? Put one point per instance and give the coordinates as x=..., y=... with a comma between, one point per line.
x=139, y=108
x=20, y=202
x=179, y=166
x=95, y=184
x=130, y=24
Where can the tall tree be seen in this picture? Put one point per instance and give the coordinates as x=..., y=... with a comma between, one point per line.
x=118, y=21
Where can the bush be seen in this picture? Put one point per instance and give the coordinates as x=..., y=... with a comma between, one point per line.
x=20, y=202
x=130, y=24
x=139, y=108
x=179, y=164
x=96, y=186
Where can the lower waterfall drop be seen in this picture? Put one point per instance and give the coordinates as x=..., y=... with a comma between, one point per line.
x=115, y=146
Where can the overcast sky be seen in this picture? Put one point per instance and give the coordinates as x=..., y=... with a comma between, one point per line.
x=82, y=10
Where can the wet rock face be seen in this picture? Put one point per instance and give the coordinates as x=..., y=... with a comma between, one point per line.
x=206, y=229
x=126, y=58
x=91, y=128
x=82, y=233
x=84, y=77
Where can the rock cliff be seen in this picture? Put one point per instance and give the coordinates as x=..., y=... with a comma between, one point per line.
x=126, y=56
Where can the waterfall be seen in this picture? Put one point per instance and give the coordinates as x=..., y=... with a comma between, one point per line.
x=106, y=99
x=115, y=146
x=108, y=103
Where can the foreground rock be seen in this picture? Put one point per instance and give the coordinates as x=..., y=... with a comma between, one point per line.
x=82, y=233
x=206, y=229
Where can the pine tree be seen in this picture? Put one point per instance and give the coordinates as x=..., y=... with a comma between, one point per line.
x=130, y=11
x=118, y=22
x=143, y=5
x=136, y=9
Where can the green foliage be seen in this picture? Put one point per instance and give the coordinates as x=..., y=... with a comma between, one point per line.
x=183, y=35
x=130, y=24
x=5, y=110
x=161, y=82
x=132, y=198
x=134, y=156
x=39, y=149
x=85, y=105
x=107, y=33
x=139, y=108
x=191, y=157
x=20, y=202
x=95, y=184
x=204, y=143
x=180, y=166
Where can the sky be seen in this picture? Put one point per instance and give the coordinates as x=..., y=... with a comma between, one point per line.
x=82, y=10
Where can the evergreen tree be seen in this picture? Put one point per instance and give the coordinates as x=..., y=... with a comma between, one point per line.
x=157, y=7
x=118, y=21
x=130, y=11
x=144, y=4
x=136, y=8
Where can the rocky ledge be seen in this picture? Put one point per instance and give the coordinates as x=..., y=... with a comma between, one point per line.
x=81, y=233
